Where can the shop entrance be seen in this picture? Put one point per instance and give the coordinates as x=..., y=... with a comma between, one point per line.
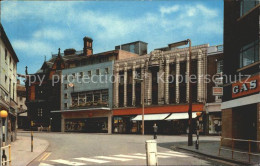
x=245, y=125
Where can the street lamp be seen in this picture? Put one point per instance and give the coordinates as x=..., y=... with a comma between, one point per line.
x=3, y=115
x=181, y=43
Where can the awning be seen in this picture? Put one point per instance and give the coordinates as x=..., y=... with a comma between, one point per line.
x=151, y=117
x=175, y=116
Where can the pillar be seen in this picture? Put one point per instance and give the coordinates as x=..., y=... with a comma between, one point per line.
x=142, y=77
x=200, y=89
x=133, y=84
x=125, y=85
x=160, y=79
x=187, y=77
x=116, y=86
x=62, y=123
x=177, y=78
x=109, y=123
x=166, y=81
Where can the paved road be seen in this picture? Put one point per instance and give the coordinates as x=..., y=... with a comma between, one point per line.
x=103, y=149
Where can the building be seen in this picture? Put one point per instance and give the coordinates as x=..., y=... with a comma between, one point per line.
x=138, y=47
x=241, y=100
x=8, y=99
x=22, y=120
x=214, y=89
x=47, y=104
x=166, y=98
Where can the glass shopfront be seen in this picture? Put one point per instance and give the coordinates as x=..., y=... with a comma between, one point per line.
x=88, y=125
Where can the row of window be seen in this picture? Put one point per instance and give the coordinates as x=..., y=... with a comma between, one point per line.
x=89, y=73
x=249, y=53
x=10, y=60
x=87, y=99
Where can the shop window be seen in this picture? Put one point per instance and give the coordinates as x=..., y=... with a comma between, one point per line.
x=82, y=99
x=89, y=73
x=249, y=54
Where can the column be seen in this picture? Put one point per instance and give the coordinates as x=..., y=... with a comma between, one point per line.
x=133, y=84
x=166, y=80
x=125, y=85
x=177, y=78
x=200, y=90
x=109, y=123
x=116, y=86
x=62, y=123
x=161, y=83
x=187, y=77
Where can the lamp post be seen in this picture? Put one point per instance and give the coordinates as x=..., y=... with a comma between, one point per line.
x=3, y=115
x=181, y=43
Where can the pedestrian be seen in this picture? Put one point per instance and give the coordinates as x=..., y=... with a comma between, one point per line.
x=155, y=129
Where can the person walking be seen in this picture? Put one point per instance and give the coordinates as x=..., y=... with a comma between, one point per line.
x=155, y=129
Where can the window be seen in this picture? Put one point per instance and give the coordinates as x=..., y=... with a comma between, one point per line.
x=21, y=106
x=220, y=66
x=5, y=54
x=74, y=98
x=132, y=48
x=249, y=54
x=81, y=74
x=97, y=72
x=65, y=105
x=65, y=95
x=106, y=71
x=89, y=73
x=65, y=77
x=247, y=5
x=5, y=79
x=65, y=86
x=40, y=112
x=20, y=98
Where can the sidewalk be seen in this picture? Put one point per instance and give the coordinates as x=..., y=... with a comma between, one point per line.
x=211, y=149
x=21, y=154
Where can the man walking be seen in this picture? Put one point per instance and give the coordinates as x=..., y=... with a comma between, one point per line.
x=155, y=129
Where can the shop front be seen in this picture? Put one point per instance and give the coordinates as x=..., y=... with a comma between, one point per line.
x=87, y=121
x=214, y=122
x=169, y=119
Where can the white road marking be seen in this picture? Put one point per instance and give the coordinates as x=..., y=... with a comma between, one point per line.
x=67, y=162
x=174, y=152
x=113, y=158
x=160, y=156
x=171, y=154
x=92, y=160
x=140, y=154
x=44, y=164
x=130, y=156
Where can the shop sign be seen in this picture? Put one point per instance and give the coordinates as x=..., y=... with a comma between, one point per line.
x=217, y=91
x=246, y=87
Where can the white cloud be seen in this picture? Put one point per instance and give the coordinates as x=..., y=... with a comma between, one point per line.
x=52, y=34
x=169, y=10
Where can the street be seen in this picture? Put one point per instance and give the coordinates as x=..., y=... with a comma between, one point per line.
x=93, y=149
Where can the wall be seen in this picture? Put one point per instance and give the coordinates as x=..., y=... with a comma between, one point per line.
x=81, y=87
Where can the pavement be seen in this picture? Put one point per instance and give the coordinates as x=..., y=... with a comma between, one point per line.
x=115, y=149
x=211, y=149
x=21, y=154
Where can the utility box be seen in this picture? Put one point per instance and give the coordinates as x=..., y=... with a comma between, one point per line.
x=151, y=153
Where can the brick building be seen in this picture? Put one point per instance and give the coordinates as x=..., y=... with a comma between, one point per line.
x=165, y=96
x=241, y=100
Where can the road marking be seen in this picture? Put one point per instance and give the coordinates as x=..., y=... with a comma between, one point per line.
x=175, y=152
x=140, y=154
x=46, y=156
x=175, y=155
x=113, y=158
x=164, y=157
x=161, y=156
x=92, y=160
x=67, y=162
x=129, y=156
x=44, y=164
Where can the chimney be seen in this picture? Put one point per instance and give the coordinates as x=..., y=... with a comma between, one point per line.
x=87, y=50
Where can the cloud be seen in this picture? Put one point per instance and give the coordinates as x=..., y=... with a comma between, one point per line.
x=32, y=47
x=52, y=34
x=169, y=10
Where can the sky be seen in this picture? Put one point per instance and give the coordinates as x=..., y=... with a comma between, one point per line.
x=37, y=29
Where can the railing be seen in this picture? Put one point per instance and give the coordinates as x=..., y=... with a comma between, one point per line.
x=237, y=151
x=6, y=157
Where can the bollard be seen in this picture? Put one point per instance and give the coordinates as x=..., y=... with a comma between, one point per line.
x=151, y=153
